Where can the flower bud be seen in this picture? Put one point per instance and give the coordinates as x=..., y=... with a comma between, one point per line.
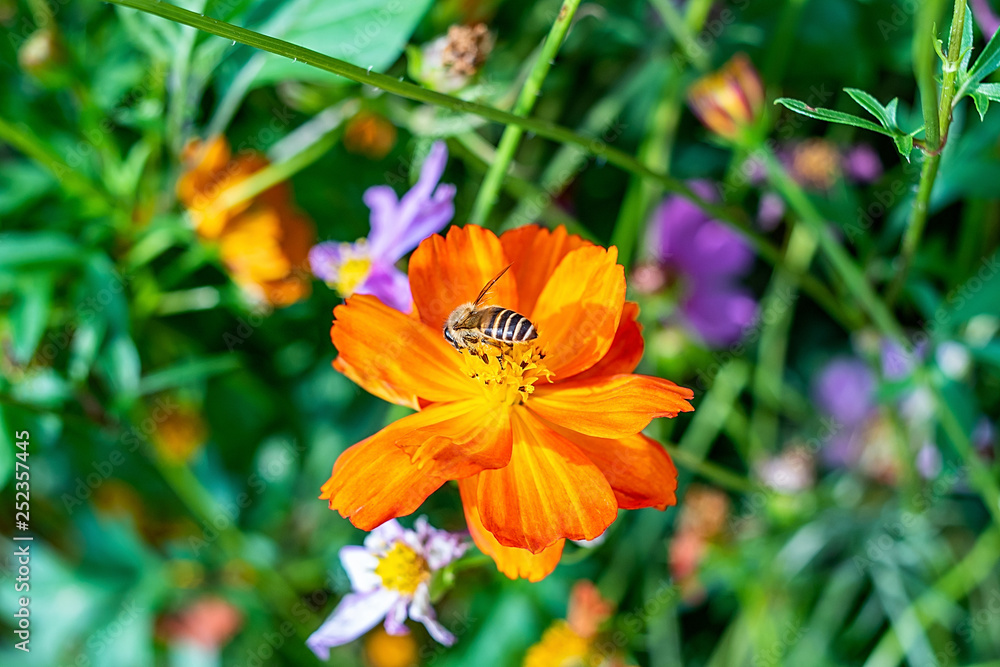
x=729, y=101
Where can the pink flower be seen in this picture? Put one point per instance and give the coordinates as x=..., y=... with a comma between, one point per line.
x=391, y=577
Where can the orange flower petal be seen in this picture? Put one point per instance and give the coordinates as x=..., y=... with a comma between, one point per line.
x=578, y=310
x=394, y=356
x=550, y=490
x=457, y=439
x=447, y=272
x=610, y=407
x=510, y=561
x=639, y=470
x=536, y=252
x=626, y=349
x=374, y=481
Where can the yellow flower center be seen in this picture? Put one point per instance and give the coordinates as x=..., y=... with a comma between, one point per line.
x=817, y=163
x=351, y=273
x=560, y=647
x=402, y=569
x=507, y=375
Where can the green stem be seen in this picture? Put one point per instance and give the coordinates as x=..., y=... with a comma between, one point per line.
x=276, y=173
x=768, y=381
x=490, y=188
x=722, y=476
x=937, y=119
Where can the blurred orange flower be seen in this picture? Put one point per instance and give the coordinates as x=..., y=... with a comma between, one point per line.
x=179, y=435
x=369, y=134
x=211, y=622
x=263, y=241
x=574, y=642
x=544, y=438
x=702, y=520
x=729, y=101
x=385, y=650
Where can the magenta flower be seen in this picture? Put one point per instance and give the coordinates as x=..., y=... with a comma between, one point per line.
x=704, y=258
x=368, y=266
x=987, y=19
x=391, y=577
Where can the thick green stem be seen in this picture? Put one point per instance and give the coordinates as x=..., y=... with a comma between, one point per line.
x=937, y=119
x=490, y=188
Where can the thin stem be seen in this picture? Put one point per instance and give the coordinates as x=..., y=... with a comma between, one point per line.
x=276, y=173
x=937, y=119
x=490, y=187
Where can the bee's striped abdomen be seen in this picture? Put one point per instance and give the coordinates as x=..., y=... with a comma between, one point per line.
x=509, y=327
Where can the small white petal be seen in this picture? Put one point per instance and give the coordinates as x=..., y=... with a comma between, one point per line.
x=422, y=612
x=356, y=614
x=360, y=566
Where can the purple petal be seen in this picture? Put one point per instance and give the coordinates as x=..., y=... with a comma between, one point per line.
x=397, y=228
x=719, y=313
x=770, y=211
x=898, y=363
x=390, y=285
x=929, y=461
x=987, y=19
x=395, y=620
x=674, y=223
x=324, y=259
x=356, y=614
x=360, y=565
x=862, y=164
x=716, y=251
x=386, y=222
x=422, y=612
x=845, y=390
x=843, y=449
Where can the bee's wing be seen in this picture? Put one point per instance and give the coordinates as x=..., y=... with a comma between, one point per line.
x=474, y=319
x=486, y=290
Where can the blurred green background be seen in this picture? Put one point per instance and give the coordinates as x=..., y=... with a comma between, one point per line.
x=180, y=431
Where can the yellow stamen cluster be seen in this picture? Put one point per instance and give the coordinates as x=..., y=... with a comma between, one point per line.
x=402, y=569
x=354, y=267
x=508, y=374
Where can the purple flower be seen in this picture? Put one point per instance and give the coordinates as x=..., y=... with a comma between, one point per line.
x=706, y=258
x=390, y=576
x=862, y=164
x=845, y=391
x=987, y=19
x=367, y=266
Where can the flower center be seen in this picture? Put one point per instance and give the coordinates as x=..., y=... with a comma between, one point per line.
x=507, y=375
x=402, y=569
x=354, y=267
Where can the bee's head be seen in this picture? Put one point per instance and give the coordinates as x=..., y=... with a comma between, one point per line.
x=448, y=337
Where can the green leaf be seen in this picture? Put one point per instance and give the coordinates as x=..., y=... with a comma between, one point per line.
x=982, y=94
x=966, y=40
x=831, y=116
x=875, y=108
x=122, y=367
x=366, y=33
x=904, y=144
x=21, y=249
x=29, y=315
x=982, y=103
x=987, y=63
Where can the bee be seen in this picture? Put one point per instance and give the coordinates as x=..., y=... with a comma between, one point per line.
x=470, y=326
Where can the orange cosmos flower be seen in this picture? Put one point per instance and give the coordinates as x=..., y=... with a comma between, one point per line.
x=730, y=100
x=545, y=438
x=263, y=241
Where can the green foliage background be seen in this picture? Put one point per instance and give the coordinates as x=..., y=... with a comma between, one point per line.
x=109, y=304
